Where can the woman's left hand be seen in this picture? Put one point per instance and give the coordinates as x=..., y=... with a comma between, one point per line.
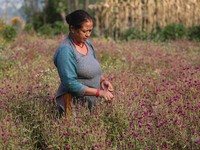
x=107, y=86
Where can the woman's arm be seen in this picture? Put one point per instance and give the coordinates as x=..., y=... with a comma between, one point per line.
x=67, y=69
x=104, y=94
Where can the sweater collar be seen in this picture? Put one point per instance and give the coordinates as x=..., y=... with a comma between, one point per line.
x=69, y=37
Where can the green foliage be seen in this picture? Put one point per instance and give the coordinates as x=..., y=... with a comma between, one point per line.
x=38, y=21
x=2, y=43
x=28, y=27
x=50, y=30
x=194, y=33
x=93, y=34
x=134, y=34
x=60, y=27
x=52, y=12
x=169, y=32
x=174, y=31
x=131, y=34
x=46, y=30
x=10, y=32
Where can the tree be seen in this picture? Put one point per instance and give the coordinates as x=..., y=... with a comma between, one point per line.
x=62, y=13
x=76, y=4
x=69, y=6
x=53, y=11
x=44, y=11
x=86, y=3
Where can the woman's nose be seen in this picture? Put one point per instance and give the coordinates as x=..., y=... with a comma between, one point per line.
x=87, y=34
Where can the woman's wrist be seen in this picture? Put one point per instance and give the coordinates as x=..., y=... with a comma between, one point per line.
x=102, y=80
x=97, y=93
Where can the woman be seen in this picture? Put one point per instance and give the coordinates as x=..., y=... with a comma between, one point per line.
x=77, y=65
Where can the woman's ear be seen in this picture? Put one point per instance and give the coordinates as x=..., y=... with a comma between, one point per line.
x=72, y=29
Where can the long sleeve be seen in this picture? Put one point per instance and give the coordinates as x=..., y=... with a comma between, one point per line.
x=67, y=69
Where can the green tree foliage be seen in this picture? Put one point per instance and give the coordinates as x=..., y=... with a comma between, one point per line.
x=59, y=27
x=36, y=13
x=47, y=30
x=52, y=11
x=28, y=27
x=10, y=32
x=173, y=31
x=194, y=33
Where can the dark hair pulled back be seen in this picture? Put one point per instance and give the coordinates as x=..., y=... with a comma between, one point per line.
x=77, y=18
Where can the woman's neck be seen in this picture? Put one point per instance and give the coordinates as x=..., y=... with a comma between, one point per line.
x=74, y=39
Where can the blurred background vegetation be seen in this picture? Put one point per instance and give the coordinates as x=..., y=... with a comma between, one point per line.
x=47, y=18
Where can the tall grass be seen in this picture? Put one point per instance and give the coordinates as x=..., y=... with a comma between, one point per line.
x=155, y=106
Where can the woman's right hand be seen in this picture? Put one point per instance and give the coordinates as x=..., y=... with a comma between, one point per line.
x=106, y=94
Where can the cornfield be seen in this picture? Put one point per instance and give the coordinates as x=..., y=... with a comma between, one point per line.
x=112, y=15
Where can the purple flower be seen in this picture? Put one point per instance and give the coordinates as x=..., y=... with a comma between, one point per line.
x=163, y=135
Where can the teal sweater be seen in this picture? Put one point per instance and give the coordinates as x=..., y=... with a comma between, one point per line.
x=76, y=72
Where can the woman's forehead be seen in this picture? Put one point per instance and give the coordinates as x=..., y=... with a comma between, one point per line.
x=87, y=24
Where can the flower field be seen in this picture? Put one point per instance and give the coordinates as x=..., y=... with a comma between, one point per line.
x=156, y=97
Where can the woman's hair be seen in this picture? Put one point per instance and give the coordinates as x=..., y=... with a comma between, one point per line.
x=77, y=18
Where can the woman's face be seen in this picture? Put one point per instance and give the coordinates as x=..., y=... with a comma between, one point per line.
x=82, y=34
